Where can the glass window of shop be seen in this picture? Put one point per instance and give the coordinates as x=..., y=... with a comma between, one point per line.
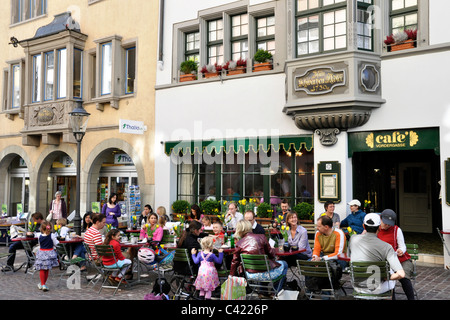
x=19, y=182
x=242, y=175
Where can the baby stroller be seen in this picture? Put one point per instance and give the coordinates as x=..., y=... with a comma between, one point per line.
x=156, y=259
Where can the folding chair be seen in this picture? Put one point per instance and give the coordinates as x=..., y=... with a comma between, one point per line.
x=183, y=277
x=3, y=267
x=257, y=282
x=367, y=278
x=31, y=258
x=108, y=251
x=413, y=250
x=321, y=271
x=93, y=265
x=65, y=261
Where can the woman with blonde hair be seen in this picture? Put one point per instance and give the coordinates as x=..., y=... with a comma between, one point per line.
x=250, y=243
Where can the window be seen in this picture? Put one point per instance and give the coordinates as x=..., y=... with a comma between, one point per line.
x=321, y=26
x=36, y=89
x=106, y=73
x=62, y=75
x=265, y=34
x=130, y=65
x=404, y=15
x=78, y=73
x=239, y=37
x=49, y=72
x=215, y=42
x=16, y=86
x=23, y=10
x=192, y=46
x=364, y=25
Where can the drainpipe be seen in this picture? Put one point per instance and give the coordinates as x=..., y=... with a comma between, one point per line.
x=161, y=34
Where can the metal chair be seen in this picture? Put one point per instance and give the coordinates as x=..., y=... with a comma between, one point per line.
x=66, y=261
x=182, y=281
x=257, y=284
x=108, y=251
x=3, y=267
x=93, y=265
x=413, y=250
x=367, y=278
x=31, y=258
x=321, y=271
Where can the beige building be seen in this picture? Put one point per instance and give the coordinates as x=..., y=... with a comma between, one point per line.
x=55, y=54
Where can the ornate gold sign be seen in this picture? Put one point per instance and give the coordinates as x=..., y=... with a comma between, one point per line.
x=320, y=80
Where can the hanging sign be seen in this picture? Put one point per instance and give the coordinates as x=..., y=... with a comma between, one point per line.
x=130, y=126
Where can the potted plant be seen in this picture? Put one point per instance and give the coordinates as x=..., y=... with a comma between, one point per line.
x=235, y=67
x=304, y=211
x=401, y=40
x=263, y=57
x=211, y=70
x=188, y=69
x=180, y=206
x=210, y=207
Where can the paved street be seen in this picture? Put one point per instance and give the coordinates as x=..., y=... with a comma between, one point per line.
x=433, y=283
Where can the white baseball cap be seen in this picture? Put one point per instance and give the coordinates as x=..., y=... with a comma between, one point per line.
x=372, y=220
x=355, y=203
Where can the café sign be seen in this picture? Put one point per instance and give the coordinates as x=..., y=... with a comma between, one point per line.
x=402, y=139
x=320, y=80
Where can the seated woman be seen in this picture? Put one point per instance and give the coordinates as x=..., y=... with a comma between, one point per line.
x=298, y=237
x=151, y=228
x=250, y=243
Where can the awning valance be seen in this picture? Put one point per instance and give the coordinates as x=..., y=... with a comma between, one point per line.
x=257, y=144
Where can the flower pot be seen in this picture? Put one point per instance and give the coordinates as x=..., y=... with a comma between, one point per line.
x=187, y=77
x=208, y=75
x=262, y=66
x=238, y=70
x=264, y=221
x=408, y=44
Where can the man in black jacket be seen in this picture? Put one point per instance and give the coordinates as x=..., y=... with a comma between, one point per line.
x=256, y=228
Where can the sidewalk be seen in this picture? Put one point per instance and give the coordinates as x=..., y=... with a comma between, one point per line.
x=433, y=283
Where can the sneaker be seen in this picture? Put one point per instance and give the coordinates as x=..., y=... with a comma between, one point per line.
x=112, y=281
x=44, y=288
x=40, y=286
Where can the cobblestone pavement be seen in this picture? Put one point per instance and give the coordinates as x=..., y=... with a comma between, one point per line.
x=433, y=283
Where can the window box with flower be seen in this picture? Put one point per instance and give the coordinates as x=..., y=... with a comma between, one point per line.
x=235, y=67
x=211, y=70
x=263, y=59
x=188, y=70
x=402, y=40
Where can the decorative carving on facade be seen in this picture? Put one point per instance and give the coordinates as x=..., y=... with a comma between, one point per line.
x=328, y=137
x=46, y=115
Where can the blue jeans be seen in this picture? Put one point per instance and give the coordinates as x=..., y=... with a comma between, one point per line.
x=120, y=264
x=273, y=273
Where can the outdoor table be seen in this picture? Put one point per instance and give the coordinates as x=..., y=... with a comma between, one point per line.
x=71, y=243
x=132, y=231
x=23, y=238
x=4, y=227
x=135, y=246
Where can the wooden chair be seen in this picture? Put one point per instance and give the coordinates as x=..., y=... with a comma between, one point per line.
x=413, y=250
x=321, y=270
x=367, y=277
x=260, y=264
x=108, y=251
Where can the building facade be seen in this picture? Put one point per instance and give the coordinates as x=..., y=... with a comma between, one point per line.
x=341, y=113
x=56, y=55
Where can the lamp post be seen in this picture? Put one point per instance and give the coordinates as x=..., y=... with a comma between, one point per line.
x=78, y=121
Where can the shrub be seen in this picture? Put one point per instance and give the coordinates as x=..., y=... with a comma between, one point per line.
x=181, y=206
x=262, y=55
x=264, y=210
x=304, y=210
x=188, y=66
x=210, y=206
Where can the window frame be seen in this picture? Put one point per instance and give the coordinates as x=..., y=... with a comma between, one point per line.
x=215, y=43
x=364, y=6
x=402, y=12
x=17, y=8
x=127, y=64
x=266, y=38
x=241, y=38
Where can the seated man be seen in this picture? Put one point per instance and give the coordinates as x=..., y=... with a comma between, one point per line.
x=355, y=219
x=368, y=247
x=256, y=228
x=328, y=243
x=92, y=236
x=35, y=217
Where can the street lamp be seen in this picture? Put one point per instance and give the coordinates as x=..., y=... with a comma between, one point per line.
x=78, y=121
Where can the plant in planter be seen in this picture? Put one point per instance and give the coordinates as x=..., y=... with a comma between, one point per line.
x=181, y=206
x=264, y=210
x=188, y=69
x=401, y=40
x=263, y=58
x=235, y=67
x=211, y=70
x=211, y=207
x=304, y=210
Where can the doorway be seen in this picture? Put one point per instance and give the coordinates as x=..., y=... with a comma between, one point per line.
x=404, y=181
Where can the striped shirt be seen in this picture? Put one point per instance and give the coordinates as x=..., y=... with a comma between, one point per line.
x=331, y=246
x=93, y=237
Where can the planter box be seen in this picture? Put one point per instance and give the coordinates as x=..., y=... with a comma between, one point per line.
x=409, y=44
x=262, y=66
x=238, y=70
x=187, y=77
x=264, y=221
x=210, y=75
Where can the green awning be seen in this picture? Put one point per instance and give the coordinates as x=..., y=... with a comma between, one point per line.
x=234, y=145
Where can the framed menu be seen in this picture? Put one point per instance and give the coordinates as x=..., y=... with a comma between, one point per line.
x=329, y=181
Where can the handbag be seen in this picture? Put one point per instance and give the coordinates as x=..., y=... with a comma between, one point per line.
x=50, y=214
x=233, y=289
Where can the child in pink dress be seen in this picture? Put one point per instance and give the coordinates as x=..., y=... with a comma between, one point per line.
x=207, y=278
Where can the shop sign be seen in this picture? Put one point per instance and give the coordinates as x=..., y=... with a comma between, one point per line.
x=122, y=158
x=407, y=139
x=130, y=126
x=320, y=80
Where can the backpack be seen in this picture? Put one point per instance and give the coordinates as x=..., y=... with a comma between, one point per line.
x=161, y=286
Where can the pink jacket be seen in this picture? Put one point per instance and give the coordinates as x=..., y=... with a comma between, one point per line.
x=157, y=235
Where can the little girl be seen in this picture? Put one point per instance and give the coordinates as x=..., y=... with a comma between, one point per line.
x=46, y=257
x=207, y=277
x=61, y=223
x=112, y=238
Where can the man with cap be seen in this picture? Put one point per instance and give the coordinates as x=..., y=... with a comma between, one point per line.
x=356, y=217
x=367, y=247
x=393, y=235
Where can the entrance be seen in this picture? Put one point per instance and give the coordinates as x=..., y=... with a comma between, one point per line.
x=404, y=181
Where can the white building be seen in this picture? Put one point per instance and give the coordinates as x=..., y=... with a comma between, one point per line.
x=347, y=116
